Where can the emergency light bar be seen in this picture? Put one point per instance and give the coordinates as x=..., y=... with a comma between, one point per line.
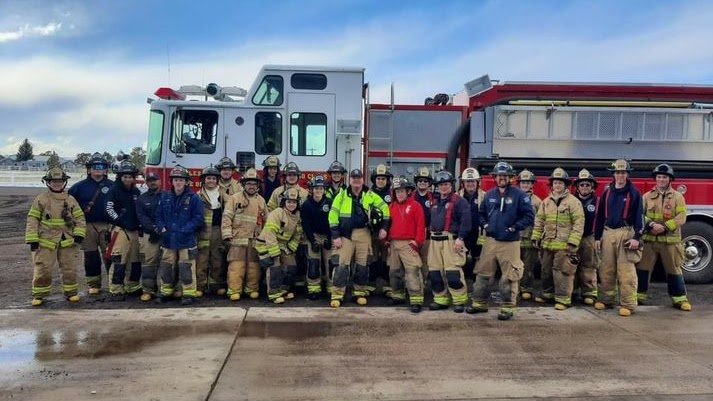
x=216, y=91
x=169, y=94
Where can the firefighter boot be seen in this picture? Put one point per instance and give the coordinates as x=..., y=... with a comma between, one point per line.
x=588, y=301
x=361, y=301
x=279, y=300
x=145, y=297
x=221, y=291
x=437, y=306
x=235, y=297
x=36, y=302
x=187, y=301
x=458, y=308
x=600, y=305
x=117, y=297
x=624, y=312
x=559, y=306
x=73, y=298
x=335, y=303
x=199, y=293
x=505, y=315
x=526, y=295
x=94, y=291
x=415, y=308
x=290, y=295
x=254, y=295
x=685, y=306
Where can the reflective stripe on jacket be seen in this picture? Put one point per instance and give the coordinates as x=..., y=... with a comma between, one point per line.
x=560, y=221
x=54, y=219
x=341, y=215
x=281, y=234
x=243, y=218
x=669, y=209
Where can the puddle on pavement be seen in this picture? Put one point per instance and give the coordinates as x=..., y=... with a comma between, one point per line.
x=21, y=346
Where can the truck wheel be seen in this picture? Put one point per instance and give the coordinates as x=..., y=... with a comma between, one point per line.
x=698, y=252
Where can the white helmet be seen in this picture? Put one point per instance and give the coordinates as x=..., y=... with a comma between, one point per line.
x=470, y=174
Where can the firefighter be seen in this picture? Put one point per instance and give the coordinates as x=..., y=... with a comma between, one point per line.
x=277, y=244
x=378, y=266
x=424, y=197
x=617, y=233
x=349, y=221
x=55, y=228
x=665, y=213
x=336, y=173
x=315, y=222
x=210, y=269
x=150, y=250
x=450, y=224
x=526, y=180
x=243, y=219
x=179, y=216
x=557, y=232
x=227, y=184
x=406, y=234
x=124, y=244
x=291, y=173
x=91, y=195
x=471, y=192
x=588, y=257
x=504, y=212
x=270, y=168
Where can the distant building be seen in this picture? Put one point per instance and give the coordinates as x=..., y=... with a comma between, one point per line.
x=38, y=163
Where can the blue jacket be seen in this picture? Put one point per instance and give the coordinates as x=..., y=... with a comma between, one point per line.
x=121, y=206
x=146, y=207
x=181, y=216
x=84, y=190
x=503, y=217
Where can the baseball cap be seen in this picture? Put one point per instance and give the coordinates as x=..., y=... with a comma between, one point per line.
x=356, y=173
x=151, y=176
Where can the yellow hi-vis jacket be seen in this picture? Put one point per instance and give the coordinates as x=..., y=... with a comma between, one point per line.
x=54, y=219
x=274, y=202
x=281, y=234
x=560, y=221
x=243, y=218
x=669, y=209
x=340, y=215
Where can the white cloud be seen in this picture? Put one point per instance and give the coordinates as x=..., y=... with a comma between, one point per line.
x=28, y=30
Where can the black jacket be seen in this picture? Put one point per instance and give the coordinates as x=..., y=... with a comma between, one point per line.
x=121, y=206
x=146, y=208
x=315, y=218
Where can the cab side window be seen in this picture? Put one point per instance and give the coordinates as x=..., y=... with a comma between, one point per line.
x=270, y=91
x=194, y=131
x=268, y=133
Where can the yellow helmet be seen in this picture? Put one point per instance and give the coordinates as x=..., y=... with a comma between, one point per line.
x=250, y=175
x=620, y=165
x=272, y=161
x=424, y=173
x=55, y=173
x=470, y=174
x=585, y=175
x=526, y=176
x=559, y=174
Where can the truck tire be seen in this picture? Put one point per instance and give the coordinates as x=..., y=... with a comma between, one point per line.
x=698, y=251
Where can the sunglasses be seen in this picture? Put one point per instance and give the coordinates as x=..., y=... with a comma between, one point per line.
x=420, y=181
x=98, y=167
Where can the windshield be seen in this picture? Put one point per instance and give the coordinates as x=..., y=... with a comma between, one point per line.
x=155, y=141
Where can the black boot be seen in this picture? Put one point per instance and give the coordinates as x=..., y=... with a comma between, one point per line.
x=437, y=306
x=415, y=308
x=504, y=315
x=458, y=308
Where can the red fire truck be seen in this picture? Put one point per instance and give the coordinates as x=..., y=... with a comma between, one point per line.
x=314, y=115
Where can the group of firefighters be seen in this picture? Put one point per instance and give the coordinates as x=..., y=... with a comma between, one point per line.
x=231, y=235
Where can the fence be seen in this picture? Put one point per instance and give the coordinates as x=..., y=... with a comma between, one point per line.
x=15, y=178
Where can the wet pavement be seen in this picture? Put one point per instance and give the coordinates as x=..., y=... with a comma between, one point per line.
x=355, y=354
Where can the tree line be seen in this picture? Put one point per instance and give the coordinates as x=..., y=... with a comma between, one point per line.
x=25, y=152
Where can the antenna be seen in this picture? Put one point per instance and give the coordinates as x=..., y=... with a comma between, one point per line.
x=168, y=63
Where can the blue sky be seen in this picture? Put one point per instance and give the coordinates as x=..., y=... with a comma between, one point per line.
x=75, y=75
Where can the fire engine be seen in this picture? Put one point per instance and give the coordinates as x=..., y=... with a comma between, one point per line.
x=314, y=115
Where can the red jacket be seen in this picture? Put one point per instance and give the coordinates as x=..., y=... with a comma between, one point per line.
x=407, y=221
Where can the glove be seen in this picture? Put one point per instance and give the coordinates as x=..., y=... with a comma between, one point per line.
x=34, y=246
x=536, y=244
x=327, y=244
x=414, y=247
x=266, y=263
x=315, y=247
x=154, y=238
x=571, y=248
x=78, y=240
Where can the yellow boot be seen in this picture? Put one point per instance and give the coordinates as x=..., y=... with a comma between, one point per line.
x=526, y=296
x=145, y=297
x=290, y=295
x=599, y=306
x=560, y=306
x=279, y=300
x=335, y=303
x=588, y=301
x=36, y=302
x=199, y=293
x=685, y=306
x=361, y=301
x=94, y=291
x=254, y=295
x=221, y=291
x=235, y=297
x=73, y=298
x=624, y=312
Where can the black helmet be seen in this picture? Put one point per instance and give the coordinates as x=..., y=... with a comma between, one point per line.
x=225, y=162
x=443, y=176
x=503, y=168
x=663, y=169
x=336, y=167
x=210, y=171
x=127, y=167
x=559, y=174
x=317, y=181
x=402, y=182
x=180, y=172
x=97, y=159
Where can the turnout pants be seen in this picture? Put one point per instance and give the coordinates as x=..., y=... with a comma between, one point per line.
x=354, y=249
x=530, y=259
x=94, y=247
x=405, y=270
x=445, y=270
x=558, y=273
x=588, y=267
x=210, y=270
x=281, y=276
x=243, y=269
x=618, y=267
x=672, y=258
x=150, y=255
x=178, y=266
x=506, y=256
x=125, y=254
x=44, y=260
x=318, y=266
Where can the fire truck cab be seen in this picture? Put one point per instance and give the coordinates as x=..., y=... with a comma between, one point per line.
x=307, y=115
